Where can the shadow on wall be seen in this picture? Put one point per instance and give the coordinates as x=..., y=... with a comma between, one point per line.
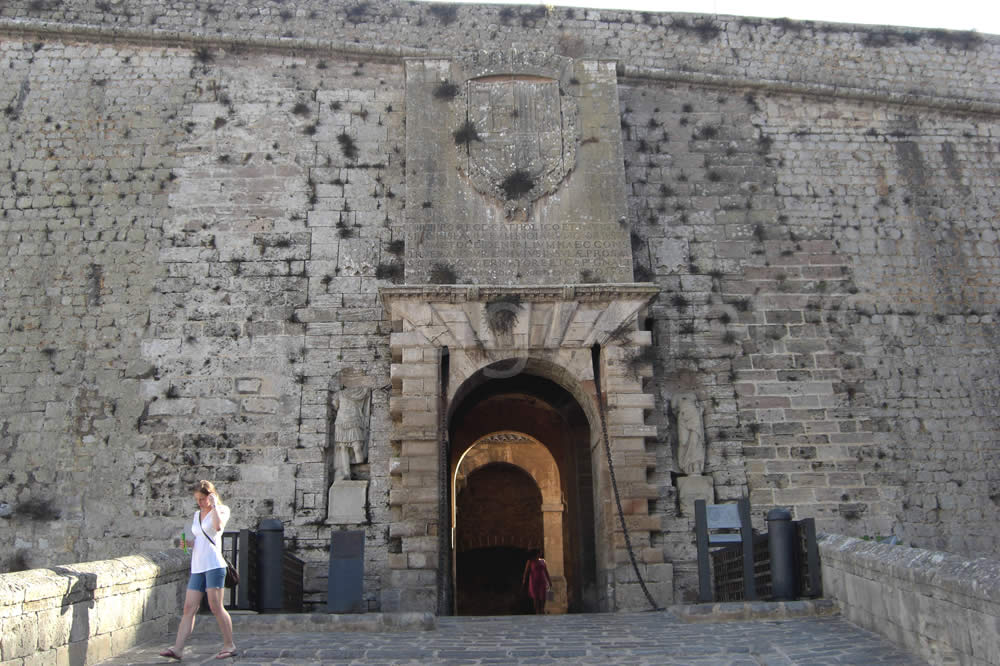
x=78, y=600
x=16, y=562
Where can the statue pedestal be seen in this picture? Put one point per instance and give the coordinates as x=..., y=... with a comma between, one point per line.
x=346, y=503
x=691, y=488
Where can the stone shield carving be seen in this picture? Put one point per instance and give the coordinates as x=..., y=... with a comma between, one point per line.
x=520, y=138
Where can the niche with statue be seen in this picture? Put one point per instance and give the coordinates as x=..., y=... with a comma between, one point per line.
x=350, y=415
x=689, y=455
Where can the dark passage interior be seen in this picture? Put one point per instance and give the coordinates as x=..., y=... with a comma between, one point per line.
x=501, y=510
x=493, y=500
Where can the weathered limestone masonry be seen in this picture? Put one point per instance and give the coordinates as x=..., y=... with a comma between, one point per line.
x=940, y=606
x=85, y=613
x=201, y=203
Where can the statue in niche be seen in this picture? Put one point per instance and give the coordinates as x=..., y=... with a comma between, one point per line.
x=690, y=433
x=350, y=430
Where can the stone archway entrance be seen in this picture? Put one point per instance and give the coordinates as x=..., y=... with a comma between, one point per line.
x=498, y=521
x=460, y=373
x=508, y=500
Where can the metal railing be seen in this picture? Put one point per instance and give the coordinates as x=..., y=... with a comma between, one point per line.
x=727, y=566
x=727, y=570
x=291, y=577
x=241, y=549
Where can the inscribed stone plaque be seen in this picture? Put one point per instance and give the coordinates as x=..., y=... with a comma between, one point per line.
x=515, y=171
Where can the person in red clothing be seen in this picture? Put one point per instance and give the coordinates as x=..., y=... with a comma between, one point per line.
x=536, y=575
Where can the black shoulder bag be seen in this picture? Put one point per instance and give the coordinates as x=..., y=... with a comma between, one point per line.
x=232, y=576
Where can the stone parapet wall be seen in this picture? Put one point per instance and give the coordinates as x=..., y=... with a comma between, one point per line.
x=85, y=613
x=942, y=606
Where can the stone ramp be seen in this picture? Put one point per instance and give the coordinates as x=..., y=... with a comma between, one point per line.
x=620, y=638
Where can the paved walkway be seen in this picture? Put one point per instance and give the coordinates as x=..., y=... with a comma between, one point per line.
x=624, y=638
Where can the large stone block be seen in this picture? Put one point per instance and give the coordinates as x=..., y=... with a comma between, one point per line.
x=418, y=599
x=55, y=627
x=59, y=656
x=691, y=488
x=347, y=502
x=20, y=636
x=631, y=597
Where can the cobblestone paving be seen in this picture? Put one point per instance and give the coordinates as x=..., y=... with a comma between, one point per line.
x=626, y=638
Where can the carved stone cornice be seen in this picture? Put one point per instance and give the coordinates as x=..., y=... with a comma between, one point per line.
x=469, y=293
x=506, y=437
x=516, y=318
x=514, y=61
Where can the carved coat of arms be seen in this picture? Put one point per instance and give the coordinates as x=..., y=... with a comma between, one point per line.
x=517, y=140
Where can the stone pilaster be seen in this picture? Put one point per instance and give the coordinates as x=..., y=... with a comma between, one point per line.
x=413, y=497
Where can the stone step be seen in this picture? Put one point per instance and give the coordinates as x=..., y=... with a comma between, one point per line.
x=741, y=611
x=247, y=622
x=736, y=611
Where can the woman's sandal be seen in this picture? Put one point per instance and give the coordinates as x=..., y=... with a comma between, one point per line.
x=226, y=654
x=170, y=654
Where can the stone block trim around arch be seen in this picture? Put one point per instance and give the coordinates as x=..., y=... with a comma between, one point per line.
x=551, y=334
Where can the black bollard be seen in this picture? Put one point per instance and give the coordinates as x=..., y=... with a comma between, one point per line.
x=781, y=544
x=270, y=559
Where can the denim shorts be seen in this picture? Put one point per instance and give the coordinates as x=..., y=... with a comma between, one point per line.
x=207, y=579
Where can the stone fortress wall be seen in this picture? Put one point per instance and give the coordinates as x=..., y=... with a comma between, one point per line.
x=200, y=201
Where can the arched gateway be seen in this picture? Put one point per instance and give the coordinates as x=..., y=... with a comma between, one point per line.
x=502, y=515
x=507, y=500
x=477, y=413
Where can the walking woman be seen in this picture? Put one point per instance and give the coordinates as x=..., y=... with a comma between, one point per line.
x=536, y=575
x=208, y=571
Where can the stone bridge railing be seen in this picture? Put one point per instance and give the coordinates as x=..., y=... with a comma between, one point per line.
x=944, y=607
x=83, y=613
